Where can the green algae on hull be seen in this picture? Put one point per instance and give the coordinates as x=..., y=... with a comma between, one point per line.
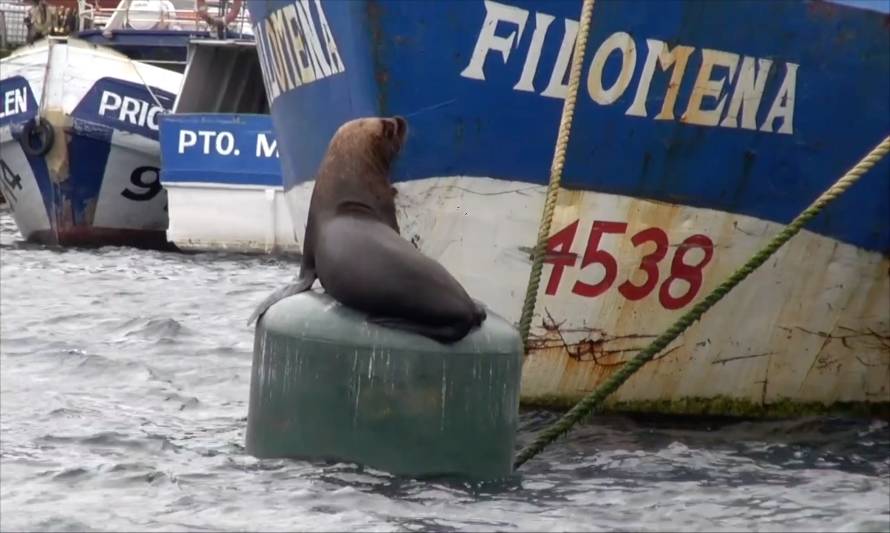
x=720, y=406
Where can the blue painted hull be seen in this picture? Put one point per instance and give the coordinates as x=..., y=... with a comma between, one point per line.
x=412, y=58
x=219, y=148
x=701, y=128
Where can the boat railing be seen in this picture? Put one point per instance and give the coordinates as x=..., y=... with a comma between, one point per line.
x=155, y=15
x=13, y=31
x=127, y=14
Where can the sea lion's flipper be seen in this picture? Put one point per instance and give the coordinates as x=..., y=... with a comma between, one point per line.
x=444, y=334
x=306, y=280
x=307, y=271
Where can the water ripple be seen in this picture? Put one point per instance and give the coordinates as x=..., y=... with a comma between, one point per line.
x=124, y=389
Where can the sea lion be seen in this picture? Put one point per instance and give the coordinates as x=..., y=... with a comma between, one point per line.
x=353, y=246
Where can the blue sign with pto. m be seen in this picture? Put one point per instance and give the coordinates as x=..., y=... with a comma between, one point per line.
x=220, y=148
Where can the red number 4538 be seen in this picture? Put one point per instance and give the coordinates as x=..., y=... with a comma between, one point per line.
x=560, y=256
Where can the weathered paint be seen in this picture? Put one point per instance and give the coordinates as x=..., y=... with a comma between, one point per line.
x=725, y=406
x=700, y=125
x=786, y=333
x=99, y=183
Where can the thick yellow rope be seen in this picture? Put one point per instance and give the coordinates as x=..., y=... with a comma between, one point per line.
x=591, y=401
x=559, y=157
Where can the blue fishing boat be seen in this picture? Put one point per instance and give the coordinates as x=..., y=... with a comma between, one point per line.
x=701, y=128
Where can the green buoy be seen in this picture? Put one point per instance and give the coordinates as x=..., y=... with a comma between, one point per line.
x=326, y=384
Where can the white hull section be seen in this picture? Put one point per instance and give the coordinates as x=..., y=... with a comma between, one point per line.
x=214, y=216
x=28, y=208
x=811, y=325
x=19, y=187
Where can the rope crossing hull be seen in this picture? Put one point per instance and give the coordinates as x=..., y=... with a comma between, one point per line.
x=691, y=146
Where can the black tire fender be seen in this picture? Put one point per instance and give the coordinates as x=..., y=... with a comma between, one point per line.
x=37, y=137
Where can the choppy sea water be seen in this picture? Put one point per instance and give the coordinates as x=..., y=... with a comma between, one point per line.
x=124, y=378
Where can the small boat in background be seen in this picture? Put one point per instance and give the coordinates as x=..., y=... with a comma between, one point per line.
x=79, y=141
x=219, y=156
x=79, y=116
x=152, y=31
x=158, y=32
x=223, y=183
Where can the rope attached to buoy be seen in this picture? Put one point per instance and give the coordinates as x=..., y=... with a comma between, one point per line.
x=588, y=403
x=559, y=157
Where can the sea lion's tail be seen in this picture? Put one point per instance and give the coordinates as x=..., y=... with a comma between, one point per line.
x=282, y=293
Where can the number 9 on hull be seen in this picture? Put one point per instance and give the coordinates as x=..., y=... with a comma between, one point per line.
x=79, y=152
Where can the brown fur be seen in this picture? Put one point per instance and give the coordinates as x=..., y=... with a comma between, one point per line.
x=356, y=168
x=353, y=175
x=352, y=242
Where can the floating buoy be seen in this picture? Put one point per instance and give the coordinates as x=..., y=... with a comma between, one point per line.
x=328, y=385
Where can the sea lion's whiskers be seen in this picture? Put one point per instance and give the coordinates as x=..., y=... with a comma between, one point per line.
x=430, y=108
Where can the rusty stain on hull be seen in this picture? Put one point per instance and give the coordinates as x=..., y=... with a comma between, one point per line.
x=751, y=353
x=777, y=336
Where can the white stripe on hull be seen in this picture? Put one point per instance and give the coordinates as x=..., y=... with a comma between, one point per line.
x=215, y=216
x=812, y=325
x=25, y=200
x=132, y=154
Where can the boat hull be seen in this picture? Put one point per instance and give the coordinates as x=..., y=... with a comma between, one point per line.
x=701, y=129
x=223, y=182
x=98, y=182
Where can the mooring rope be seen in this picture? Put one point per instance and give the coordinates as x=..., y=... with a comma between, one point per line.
x=150, y=91
x=559, y=157
x=591, y=401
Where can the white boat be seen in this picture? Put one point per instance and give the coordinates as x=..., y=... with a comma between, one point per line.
x=79, y=140
x=219, y=156
x=223, y=181
x=93, y=170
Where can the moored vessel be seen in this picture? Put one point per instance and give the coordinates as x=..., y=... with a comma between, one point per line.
x=79, y=144
x=701, y=129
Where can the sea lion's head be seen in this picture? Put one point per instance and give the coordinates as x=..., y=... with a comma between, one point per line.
x=373, y=141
